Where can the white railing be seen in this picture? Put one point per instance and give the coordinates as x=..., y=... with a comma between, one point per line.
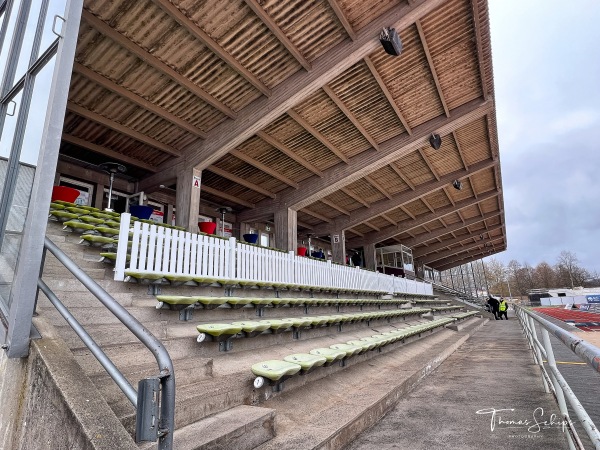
x=161, y=250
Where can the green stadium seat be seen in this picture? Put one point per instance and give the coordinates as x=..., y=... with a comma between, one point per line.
x=63, y=216
x=276, y=370
x=252, y=328
x=306, y=361
x=331, y=355
x=74, y=225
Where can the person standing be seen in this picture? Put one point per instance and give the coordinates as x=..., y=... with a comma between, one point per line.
x=494, y=305
x=502, y=308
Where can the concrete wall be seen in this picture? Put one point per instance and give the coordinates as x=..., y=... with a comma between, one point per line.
x=47, y=402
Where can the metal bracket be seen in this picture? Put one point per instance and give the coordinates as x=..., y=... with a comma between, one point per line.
x=186, y=314
x=154, y=289
x=147, y=416
x=260, y=311
x=305, y=309
x=277, y=293
x=312, y=294
x=278, y=387
x=54, y=25
x=228, y=291
x=343, y=362
x=338, y=308
x=296, y=333
x=226, y=345
x=339, y=327
x=12, y=102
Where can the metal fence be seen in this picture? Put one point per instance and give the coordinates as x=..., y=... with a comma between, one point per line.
x=554, y=381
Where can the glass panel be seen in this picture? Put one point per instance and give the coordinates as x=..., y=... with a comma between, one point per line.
x=6, y=135
x=5, y=47
x=35, y=121
x=28, y=37
x=55, y=8
x=9, y=253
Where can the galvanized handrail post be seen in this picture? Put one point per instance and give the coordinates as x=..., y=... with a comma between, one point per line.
x=537, y=351
x=560, y=396
x=167, y=376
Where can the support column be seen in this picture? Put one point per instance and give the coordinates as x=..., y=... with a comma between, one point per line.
x=99, y=196
x=370, y=259
x=338, y=246
x=188, y=198
x=286, y=229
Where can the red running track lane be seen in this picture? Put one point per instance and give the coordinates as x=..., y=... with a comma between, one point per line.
x=567, y=315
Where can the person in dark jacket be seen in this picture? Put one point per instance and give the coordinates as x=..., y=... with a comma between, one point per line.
x=494, y=304
x=356, y=259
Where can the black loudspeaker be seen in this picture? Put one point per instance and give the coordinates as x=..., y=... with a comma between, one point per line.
x=457, y=185
x=391, y=41
x=435, y=140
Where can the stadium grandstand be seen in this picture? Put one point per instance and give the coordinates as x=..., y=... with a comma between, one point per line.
x=251, y=224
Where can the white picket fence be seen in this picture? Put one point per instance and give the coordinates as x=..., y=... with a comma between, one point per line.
x=160, y=250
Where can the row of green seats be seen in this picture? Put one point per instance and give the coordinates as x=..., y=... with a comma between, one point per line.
x=276, y=371
x=223, y=331
x=445, y=308
x=178, y=302
x=465, y=314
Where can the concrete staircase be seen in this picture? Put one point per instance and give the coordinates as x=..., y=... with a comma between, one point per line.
x=216, y=403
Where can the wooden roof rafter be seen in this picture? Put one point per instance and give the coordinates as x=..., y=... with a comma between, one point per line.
x=239, y=180
x=404, y=226
x=317, y=134
x=429, y=165
x=373, y=182
x=351, y=117
x=279, y=34
x=120, y=128
x=108, y=152
x=263, y=167
x=102, y=27
x=138, y=100
x=402, y=176
x=316, y=215
x=225, y=196
x=355, y=197
x=461, y=154
x=342, y=18
x=387, y=94
x=335, y=206
x=289, y=153
x=432, y=67
x=456, y=251
x=203, y=37
x=370, y=225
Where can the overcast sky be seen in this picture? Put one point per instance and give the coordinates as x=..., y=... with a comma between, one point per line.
x=546, y=57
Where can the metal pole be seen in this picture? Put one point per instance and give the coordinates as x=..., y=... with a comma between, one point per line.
x=485, y=277
x=110, y=186
x=474, y=280
x=537, y=351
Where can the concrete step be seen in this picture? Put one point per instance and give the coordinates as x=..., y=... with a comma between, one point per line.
x=187, y=371
x=240, y=428
x=332, y=413
x=82, y=299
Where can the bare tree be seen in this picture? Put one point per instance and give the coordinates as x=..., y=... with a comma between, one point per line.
x=567, y=262
x=544, y=276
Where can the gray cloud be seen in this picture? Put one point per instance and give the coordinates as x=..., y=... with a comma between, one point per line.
x=547, y=73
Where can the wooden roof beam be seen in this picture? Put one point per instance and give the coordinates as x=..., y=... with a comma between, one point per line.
x=471, y=257
x=450, y=199
x=432, y=67
x=467, y=254
x=334, y=206
x=372, y=226
x=260, y=166
x=373, y=182
x=387, y=94
x=219, y=193
x=451, y=228
x=108, y=152
x=239, y=180
x=286, y=95
x=279, y=34
x=304, y=225
x=444, y=244
x=203, y=37
x=460, y=216
x=138, y=100
x=407, y=212
x=426, y=203
x=102, y=27
x=342, y=18
x=356, y=197
x=119, y=128
x=390, y=220
x=456, y=251
x=404, y=198
x=429, y=165
x=368, y=162
x=316, y=215
x=350, y=115
x=460, y=150
x=317, y=134
x=402, y=176
x=405, y=226
x=358, y=233
x=289, y=152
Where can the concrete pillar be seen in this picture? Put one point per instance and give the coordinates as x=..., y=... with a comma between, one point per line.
x=188, y=198
x=370, y=259
x=286, y=229
x=99, y=196
x=338, y=247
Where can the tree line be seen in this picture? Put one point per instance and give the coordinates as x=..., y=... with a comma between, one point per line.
x=567, y=272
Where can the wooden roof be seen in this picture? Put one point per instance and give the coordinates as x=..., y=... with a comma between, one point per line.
x=294, y=102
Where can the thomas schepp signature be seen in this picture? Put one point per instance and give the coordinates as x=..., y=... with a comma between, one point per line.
x=502, y=418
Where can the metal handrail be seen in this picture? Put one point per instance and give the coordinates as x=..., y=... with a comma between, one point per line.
x=587, y=352
x=166, y=423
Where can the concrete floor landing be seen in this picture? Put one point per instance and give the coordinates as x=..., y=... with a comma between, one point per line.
x=492, y=370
